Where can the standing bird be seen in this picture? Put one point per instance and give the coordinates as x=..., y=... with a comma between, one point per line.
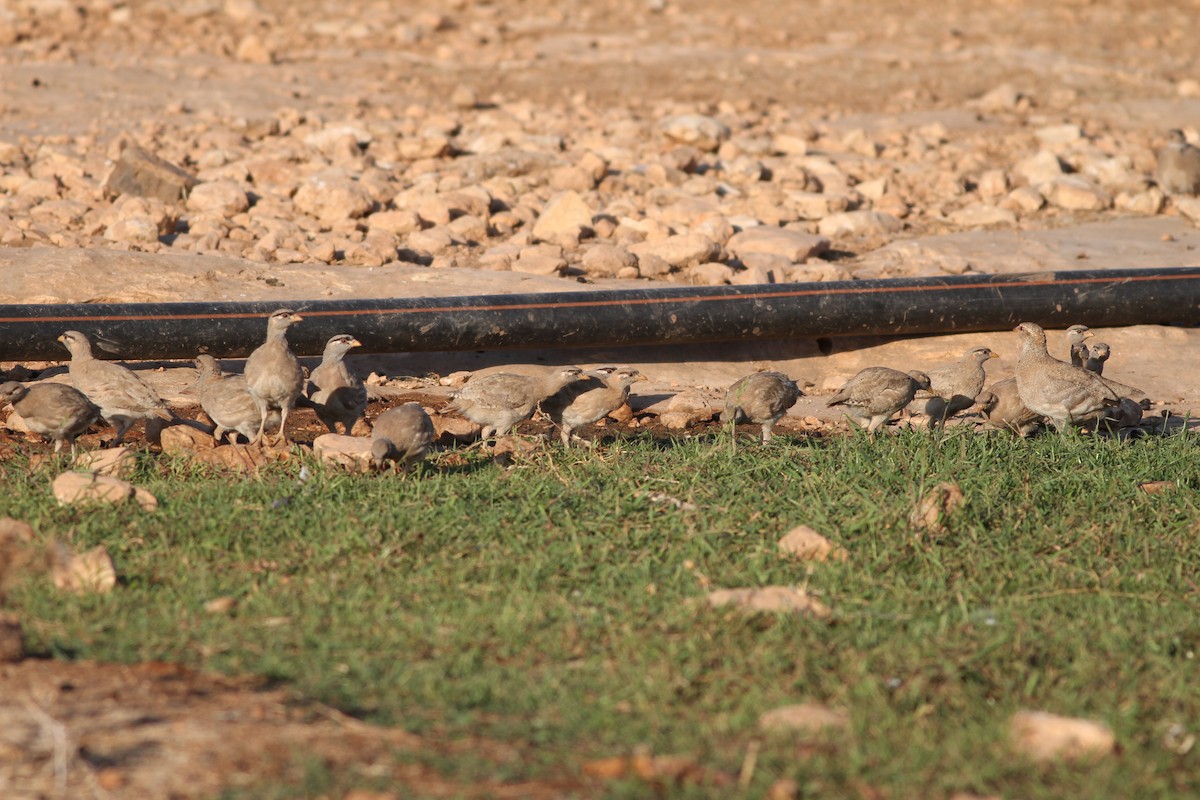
x=227, y=401
x=1178, y=169
x=1076, y=334
x=1002, y=408
x=401, y=435
x=1096, y=358
x=583, y=402
x=273, y=375
x=122, y=396
x=953, y=389
x=876, y=393
x=53, y=410
x=761, y=398
x=337, y=394
x=501, y=400
x=1054, y=388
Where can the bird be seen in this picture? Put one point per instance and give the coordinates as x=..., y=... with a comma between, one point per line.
x=227, y=401
x=953, y=388
x=876, y=393
x=54, y=410
x=500, y=400
x=122, y=396
x=1076, y=334
x=402, y=435
x=1002, y=408
x=585, y=401
x=273, y=375
x=1178, y=169
x=1096, y=358
x=1053, y=388
x=337, y=394
x=761, y=398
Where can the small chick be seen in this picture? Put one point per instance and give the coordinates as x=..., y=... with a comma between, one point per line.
x=1096, y=358
x=500, y=400
x=338, y=395
x=583, y=402
x=876, y=393
x=1053, y=388
x=226, y=399
x=761, y=398
x=53, y=410
x=122, y=396
x=402, y=435
x=1002, y=408
x=953, y=389
x=273, y=375
x=1178, y=169
x=1076, y=334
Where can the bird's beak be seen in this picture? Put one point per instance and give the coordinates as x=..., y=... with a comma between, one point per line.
x=1088, y=335
x=1017, y=329
x=297, y=318
x=994, y=355
x=641, y=378
x=355, y=343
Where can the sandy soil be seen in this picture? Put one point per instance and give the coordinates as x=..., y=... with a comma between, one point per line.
x=909, y=138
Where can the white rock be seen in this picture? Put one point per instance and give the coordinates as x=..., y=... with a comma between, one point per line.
x=980, y=215
x=332, y=196
x=803, y=718
x=543, y=259
x=993, y=183
x=1025, y=199
x=75, y=488
x=1074, y=193
x=400, y=223
x=346, y=451
x=795, y=246
x=606, y=260
x=1188, y=207
x=699, y=131
x=1046, y=737
x=1004, y=97
x=814, y=205
x=223, y=197
x=1149, y=202
x=132, y=230
x=564, y=214
x=711, y=274
x=1040, y=168
x=680, y=250
x=1058, y=135
x=859, y=223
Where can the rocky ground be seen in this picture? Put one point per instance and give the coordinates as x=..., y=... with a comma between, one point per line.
x=264, y=150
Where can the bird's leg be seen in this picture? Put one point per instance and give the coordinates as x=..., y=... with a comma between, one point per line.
x=122, y=426
x=283, y=412
x=766, y=432
x=262, y=425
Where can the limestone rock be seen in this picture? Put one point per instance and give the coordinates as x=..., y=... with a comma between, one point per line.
x=333, y=196
x=1046, y=737
x=1073, y=193
x=804, y=718
x=118, y=462
x=803, y=543
x=702, y=132
x=222, y=197
x=185, y=440
x=73, y=488
x=144, y=174
x=772, y=599
x=679, y=251
x=859, y=223
x=606, y=260
x=543, y=259
x=82, y=573
x=796, y=246
x=1040, y=168
x=565, y=214
x=346, y=451
x=980, y=215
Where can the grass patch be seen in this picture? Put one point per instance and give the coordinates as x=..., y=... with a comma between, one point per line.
x=557, y=606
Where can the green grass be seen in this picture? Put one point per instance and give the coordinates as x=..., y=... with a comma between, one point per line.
x=557, y=607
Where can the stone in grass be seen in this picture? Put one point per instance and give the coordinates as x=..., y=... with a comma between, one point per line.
x=185, y=440
x=244, y=459
x=772, y=599
x=804, y=543
x=1046, y=737
x=81, y=573
x=353, y=452
x=118, y=462
x=804, y=718
x=75, y=488
x=934, y=510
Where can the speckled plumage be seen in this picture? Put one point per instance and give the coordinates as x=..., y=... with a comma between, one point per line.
x=585, y=401
x=1059, y=391
x=402, y=435
x=1076, y=335
x=1178, y=168
x=1002, y=408
x=500, y=400
x=953, y=388
x=338, y=395
x=761, y=398
x=53, y=410
x=227, y=401
x=273, y=375
x=121, y=395
x=876, y=393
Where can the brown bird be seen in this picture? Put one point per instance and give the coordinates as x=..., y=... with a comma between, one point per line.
x=1053, y=388
x=273, y=375
x=226, y=399
x=1178, y=169
x=1076, y=334
x=876, y=393
x=122, y=396
x=53, y=410
x=337, y=394
x=501, y=400
x=761, y=398
x=953, y=389
x=593, y=398
x=402, y=435
x=1096, y=358
x=1002, y=408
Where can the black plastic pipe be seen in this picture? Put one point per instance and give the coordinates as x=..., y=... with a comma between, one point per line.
x=1098, y=298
